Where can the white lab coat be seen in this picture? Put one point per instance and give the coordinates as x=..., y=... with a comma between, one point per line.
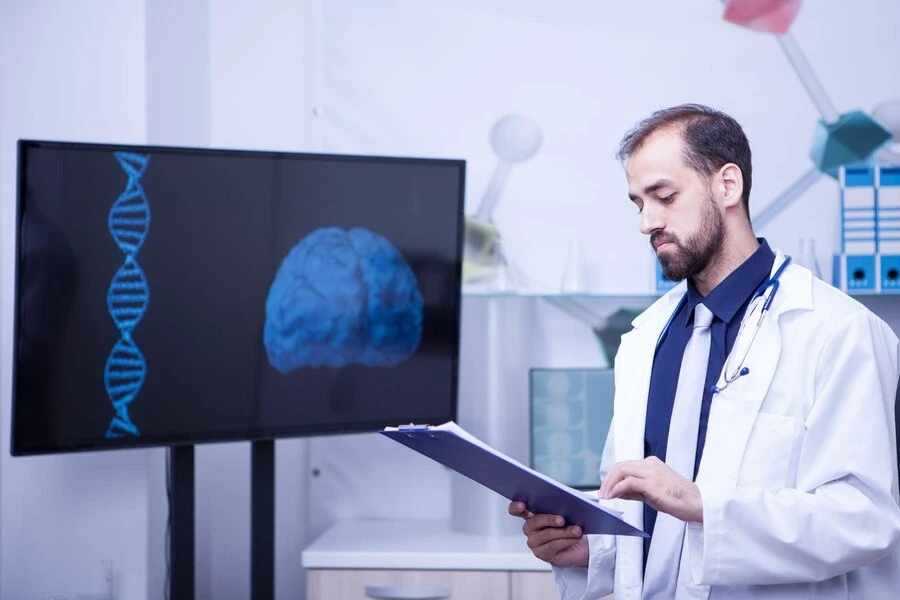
x=799, y=470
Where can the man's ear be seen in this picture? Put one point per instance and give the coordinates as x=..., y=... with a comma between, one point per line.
x=732, y=182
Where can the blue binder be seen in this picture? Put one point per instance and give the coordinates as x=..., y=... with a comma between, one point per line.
x=451, y=446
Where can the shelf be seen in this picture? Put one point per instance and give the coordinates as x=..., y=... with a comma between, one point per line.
x=871, y=294
x=624, y=297
x=553, y=296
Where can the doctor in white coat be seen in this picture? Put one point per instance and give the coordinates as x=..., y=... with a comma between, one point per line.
x=796, y=494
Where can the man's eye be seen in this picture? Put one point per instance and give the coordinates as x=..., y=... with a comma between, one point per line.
x=668, y=198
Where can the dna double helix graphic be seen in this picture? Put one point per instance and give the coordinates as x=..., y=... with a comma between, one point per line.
x=128, y=295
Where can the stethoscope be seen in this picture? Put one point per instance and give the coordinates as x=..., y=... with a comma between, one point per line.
x=760, y=302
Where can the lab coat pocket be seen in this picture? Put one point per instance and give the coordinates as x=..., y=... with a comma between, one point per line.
x=767, y=456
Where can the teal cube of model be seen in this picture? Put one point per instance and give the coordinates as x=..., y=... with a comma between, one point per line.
x=853, y=139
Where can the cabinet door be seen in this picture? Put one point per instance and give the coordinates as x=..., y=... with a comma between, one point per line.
x=533, y=585
x=359, y=584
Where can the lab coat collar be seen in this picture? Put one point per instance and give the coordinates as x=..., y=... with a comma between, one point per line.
x=796, y=287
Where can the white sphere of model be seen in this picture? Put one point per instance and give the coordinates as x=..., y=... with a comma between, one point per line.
x=515, y=138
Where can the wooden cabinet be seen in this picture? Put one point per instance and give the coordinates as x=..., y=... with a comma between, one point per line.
x=371, y=584
x=383, y=560
x=532, y=585
x=422, y=560
x=368, y=584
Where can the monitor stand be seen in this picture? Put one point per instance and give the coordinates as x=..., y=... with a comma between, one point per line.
x=262, y=521
x=181, y=518
x=182, y=583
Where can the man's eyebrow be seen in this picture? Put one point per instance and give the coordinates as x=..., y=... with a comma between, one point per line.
x=655, y=186
x=660, y=183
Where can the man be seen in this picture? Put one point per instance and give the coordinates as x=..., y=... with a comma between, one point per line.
x=763, y=464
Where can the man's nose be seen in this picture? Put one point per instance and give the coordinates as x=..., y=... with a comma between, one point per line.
x=651, y=220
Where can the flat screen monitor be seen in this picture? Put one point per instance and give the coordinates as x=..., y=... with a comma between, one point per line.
x=170, y=296
x=571, y=413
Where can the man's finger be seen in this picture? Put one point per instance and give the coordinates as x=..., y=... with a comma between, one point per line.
x=548, y=552
x=612, y=478
x=621, y=470
x=518, y=509
x=636, y=468
x=547, y=535
x=629, y=488
x=633, y=496
x=538, y=522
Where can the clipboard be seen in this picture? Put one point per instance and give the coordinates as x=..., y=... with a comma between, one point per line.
x=455, y=448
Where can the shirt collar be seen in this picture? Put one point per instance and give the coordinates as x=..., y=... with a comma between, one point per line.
x=734, y=291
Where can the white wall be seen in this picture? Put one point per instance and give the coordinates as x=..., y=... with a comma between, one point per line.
x=71, y=71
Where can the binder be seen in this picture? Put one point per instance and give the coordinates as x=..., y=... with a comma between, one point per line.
x=859, y=216
x=887, y=200
x=453, y=447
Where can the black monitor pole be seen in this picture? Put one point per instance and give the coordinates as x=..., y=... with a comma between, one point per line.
x=262, y=521
x=181, y=516
x=182, y=585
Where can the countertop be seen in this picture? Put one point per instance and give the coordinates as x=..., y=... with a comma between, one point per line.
x=417, y=544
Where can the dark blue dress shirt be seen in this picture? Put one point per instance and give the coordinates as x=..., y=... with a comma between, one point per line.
x=728, y=302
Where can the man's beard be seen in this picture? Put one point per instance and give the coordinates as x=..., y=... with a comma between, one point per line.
x=692, y=257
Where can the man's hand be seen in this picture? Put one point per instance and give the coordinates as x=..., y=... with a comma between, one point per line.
x=550, y=540
x=653, y=482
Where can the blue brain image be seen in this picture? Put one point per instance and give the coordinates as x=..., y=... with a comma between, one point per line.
x=339, y=298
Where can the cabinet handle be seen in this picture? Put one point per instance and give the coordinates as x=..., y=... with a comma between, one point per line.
x=409, y=593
